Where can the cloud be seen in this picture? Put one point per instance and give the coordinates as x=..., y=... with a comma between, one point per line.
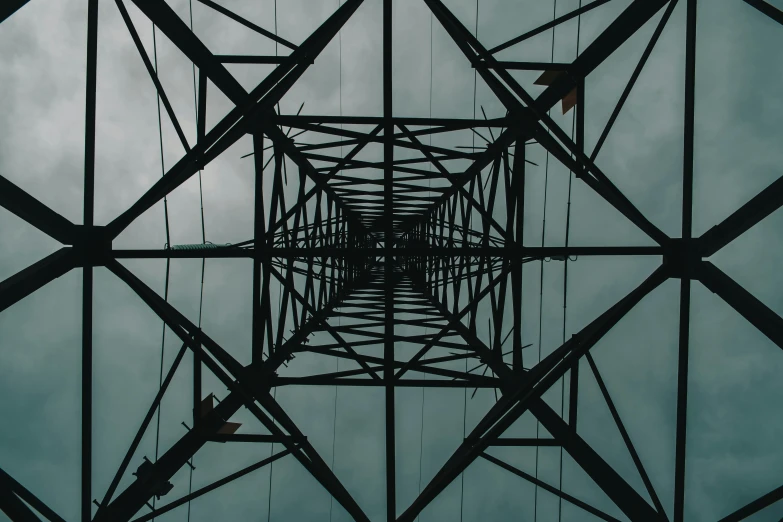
x=732, y=452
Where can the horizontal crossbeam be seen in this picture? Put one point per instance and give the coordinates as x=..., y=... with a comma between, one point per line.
x=510, y=252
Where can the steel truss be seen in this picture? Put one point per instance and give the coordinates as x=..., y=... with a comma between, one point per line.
x=395, y=258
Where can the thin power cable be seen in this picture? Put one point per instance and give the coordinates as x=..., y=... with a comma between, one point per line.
x=426, y=328
x=203, y=239
x=271, y=475
x=168, y=260
x=279, y=305
x=421, y=432
x=541, y=278
x=274, y=397
x=465, y=397
x=334, y=427
x=565, y=273
x=339, y=322
x=274, y=390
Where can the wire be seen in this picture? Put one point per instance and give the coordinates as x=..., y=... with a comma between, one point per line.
x=274, y=397
x=203, y=240
x=339, y=322
x=541, y=279
x=271, y=476
x=565, y=275
x=334, y=428
x=421, y=433
x=426, y=328
x=279, y=297
x=168, y=259
x=465, y=398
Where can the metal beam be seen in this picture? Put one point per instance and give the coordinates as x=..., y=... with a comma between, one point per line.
x=756, y=312
x=509, y=251
x=322, y=180
x=180, y=35
x=485, y=215
x=35, y=276
x=259, y=225
x=144, y=424
x=234, y=125
x=685, y=281
x=295, y=120
x=388, y=266
x=286, y=146
x=211, y=487
x=619, y=31
x=25, y=206
x=133, y=498
x=249, y=25
x=534, y=112
x=546, y=487
x=399, y=383
x=743, y=219
x=396, y=247
x=755, y=506
x=89, y=235
x=519, y=395
x=248, y=385
x=153, y=74
x=10, y=489
x=768, y=9
x=626, y=437
x=549, y=25
x=14, y=508
x=634, y=76
x=9, y=7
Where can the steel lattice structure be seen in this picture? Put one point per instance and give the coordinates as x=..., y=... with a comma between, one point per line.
x=393, y=261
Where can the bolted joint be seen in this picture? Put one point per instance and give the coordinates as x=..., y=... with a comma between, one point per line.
x=146, y=473
x=682, y=258
x=261, y=119
x=93, y=245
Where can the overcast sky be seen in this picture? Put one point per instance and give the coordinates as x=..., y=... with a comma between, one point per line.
x=734, y=423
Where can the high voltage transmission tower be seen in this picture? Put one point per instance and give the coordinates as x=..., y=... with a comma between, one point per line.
x=390, y=266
